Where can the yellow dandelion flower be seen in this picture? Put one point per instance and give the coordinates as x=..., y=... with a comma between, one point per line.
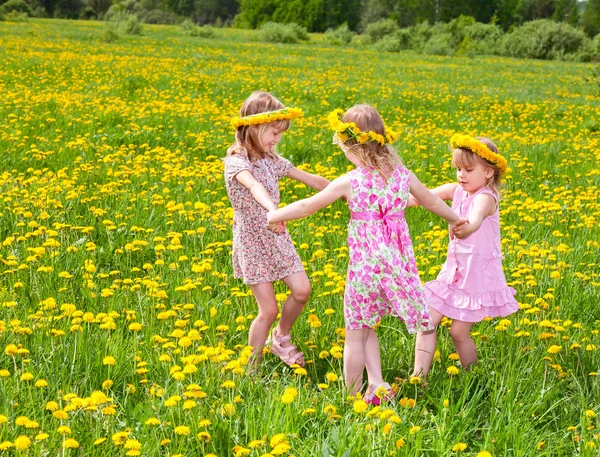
x=204, y=436
x=360, y=406
x=108, y=360
x=70, y=443
x=22, y=442
x=182, y=430
x=452, y=370
x=459, y=447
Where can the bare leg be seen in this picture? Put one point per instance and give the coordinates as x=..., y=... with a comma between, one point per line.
x=267, y=313
x=425, y=347
x=299, y=286
x=465, y=346
x=373, y=360
x=355, y=358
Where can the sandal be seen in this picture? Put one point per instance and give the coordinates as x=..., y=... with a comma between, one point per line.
x=275, y=343
x=377, y=396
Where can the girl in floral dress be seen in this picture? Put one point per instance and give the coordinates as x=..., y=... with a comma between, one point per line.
x=260, y=255
x=382, y=273
x=471, y=284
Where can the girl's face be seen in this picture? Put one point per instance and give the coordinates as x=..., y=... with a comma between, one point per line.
x=473, y=178
x=269, y=138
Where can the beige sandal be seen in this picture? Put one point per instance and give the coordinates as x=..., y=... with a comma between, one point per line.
x=275, y=343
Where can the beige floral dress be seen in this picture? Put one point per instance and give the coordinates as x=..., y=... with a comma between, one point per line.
x=259, y=255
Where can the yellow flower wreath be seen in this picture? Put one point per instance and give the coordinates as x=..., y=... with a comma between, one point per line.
x=347, y=130
x=265, y=118
x=477, y=147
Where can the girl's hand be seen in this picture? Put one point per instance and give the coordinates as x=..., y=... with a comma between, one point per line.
x=275, y=227
x=462, y=229
x=459, y=226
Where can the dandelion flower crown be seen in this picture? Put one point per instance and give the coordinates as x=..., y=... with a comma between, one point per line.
x=266, y=117
x=477, y=147
x=349, y=130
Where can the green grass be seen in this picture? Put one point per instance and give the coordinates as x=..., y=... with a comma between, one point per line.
x=113, y=212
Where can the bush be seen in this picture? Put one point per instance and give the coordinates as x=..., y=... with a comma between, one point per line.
x=160, y=17
x=440, y=44
x=418, y=35
x=189, y=28
x=377, y=31
x=14, y=16
x=484, y=38
x=15, y=6
x=596, y=46
x=340, y=36
x=546, y=39
x=126, y=22
x=110, y=34
x=274, y=32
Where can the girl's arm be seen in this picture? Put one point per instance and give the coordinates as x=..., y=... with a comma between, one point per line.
x=445, y=192
x=257, y=190
x=483, y=206
x=311, y=180
x=338, y=188
x=260, y=194
x=433, y=203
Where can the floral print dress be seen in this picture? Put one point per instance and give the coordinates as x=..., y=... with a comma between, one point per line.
x=382, y=272
x=259, y=255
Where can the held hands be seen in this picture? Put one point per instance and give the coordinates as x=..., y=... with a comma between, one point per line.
x=275, y=227
x=461, y=229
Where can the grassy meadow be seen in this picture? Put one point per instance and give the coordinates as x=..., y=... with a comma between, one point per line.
x=122, y=329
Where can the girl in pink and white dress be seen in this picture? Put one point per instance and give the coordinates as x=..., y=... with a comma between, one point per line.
x=382, y=273
x=471, y=284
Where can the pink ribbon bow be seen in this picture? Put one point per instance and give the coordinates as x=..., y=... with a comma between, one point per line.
x=389, y=220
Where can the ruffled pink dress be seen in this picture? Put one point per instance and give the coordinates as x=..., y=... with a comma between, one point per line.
x=471, y=284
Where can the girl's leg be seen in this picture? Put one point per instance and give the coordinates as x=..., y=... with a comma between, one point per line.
x=264, y=294
x=465, y=346
x=355, y=358
x=299, y=286
x=292, y=307
x=373, y=360
x=425, y=346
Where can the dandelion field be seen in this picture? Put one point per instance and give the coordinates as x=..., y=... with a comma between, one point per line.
x=122, y=329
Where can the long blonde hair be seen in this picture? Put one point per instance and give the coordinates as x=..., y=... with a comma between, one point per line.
x=465, y=158
x=382, y=158
x=247, y=138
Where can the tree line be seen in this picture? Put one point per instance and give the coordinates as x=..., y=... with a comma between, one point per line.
x=321, y=15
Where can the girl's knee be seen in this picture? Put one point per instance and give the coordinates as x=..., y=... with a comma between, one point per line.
x=301, y=293
x=268, y=315
x=459, y=335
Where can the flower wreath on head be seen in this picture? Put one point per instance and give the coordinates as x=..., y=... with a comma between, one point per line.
x=266, y=117
x=349, y=130
x=477, y=147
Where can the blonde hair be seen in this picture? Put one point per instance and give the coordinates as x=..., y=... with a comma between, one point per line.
x=382, y=158
x=465, y=158
x=247, y=138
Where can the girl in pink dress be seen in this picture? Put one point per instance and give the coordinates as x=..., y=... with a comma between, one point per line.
x=382, y=273
x=261, y=256
x=471, y=284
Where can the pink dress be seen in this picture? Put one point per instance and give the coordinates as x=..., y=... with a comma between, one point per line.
x=382, y=273
x=471, y=284
x=259, y=255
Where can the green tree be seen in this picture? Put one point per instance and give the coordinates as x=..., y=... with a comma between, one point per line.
x=590, y=17
x=566, y=11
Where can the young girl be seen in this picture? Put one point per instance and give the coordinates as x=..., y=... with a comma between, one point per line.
x=471, y=284
x=382, y=273
x=260, y=256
